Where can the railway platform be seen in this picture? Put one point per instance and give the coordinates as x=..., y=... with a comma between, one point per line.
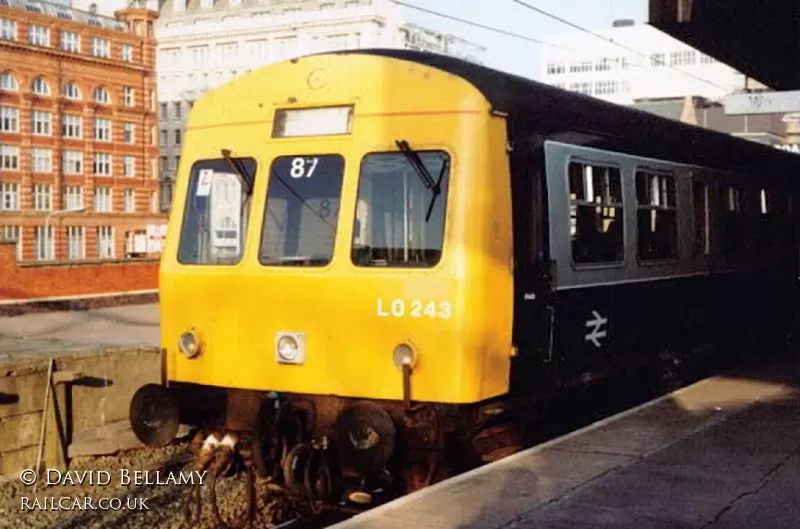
x=722, y=453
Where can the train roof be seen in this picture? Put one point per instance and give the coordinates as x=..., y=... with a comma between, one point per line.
x=576, y=118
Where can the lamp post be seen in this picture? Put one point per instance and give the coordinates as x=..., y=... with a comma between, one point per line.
x=47, y=223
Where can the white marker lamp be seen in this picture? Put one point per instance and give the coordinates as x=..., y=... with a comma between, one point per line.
x=189, y=344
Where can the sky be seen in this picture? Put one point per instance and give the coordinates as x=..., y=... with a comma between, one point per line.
x=516, y=55
x=508, y=53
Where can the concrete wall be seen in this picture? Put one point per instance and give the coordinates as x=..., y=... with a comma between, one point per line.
x=72, y=278
x=99, y=397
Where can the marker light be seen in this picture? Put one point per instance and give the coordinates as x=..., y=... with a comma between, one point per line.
x=404, y=354
x=289, y=348
x=189, y=344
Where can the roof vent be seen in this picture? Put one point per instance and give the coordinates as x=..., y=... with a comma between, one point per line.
x=625, y=22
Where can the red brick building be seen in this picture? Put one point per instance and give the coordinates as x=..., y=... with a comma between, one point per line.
x=78, y=143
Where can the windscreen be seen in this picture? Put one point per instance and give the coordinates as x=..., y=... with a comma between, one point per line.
x=215, y=215
x=302, y=210
x=399, y=220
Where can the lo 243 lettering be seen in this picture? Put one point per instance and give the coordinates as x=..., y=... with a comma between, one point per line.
x=414, y=308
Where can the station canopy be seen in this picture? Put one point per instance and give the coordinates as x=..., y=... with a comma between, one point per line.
x=760, y=38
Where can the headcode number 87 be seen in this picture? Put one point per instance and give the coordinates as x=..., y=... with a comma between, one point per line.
x=303, y=167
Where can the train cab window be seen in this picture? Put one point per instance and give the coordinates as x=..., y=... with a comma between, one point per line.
x=399, y=218
x=302, y=210
x=733, y=211
x=701, y=221
x=215, y=215
x=596, y=221
x=656, y=218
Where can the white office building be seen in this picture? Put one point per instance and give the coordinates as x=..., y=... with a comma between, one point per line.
x=205, y=43
x=641, y=63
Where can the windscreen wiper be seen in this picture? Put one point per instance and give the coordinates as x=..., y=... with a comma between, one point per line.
x=422, y=171
x=245, y=180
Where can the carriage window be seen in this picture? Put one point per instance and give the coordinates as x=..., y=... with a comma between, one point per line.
x=656, y=219
x=764, y=228
x=399, y=220
x=701, y=225
x=733, y=242
x=302, y=210
x=596, y=221
x=215, y=216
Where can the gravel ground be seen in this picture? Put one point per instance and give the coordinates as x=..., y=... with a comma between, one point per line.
x=164, y=503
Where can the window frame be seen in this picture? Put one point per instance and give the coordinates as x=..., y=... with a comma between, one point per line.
x=651, y=171
x=249, y=209
x=336, y=235
x=620, y=263
x=451, y=161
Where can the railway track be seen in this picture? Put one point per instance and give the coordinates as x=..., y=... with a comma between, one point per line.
x=233, y=502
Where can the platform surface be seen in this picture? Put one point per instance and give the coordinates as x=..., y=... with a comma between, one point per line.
x=67, y=332
x=722, y=453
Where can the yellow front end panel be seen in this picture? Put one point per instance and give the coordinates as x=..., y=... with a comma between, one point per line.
x=457, y=314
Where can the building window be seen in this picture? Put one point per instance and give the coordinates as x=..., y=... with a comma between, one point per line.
x=177, y=136
x=128, y=135
x=70, y=41
x=14, y=233
x=163, y=111
x=41, y=160
x=153, y=135
x=45, y=247
x=42, y=197
x=163, y=163
x=554, y=68
x=128, y=96
x=8, y=82
x=176, y=110
x=127, y=53
x=177, y=162
x=101, y=48
x=102, y=164
x=153, y=202
x=163, y=138
x=40, y=123
x=682, y=58
x=40, y=87
x=8, y=29
x=73, y=197
x=657, y=59
x=657, y=220
x=128, y=165
x=596, y=220
x=9, y=119
x=102, y=200
x=71, y=126
x=72, y=162
x=76, y=243
x=38, y=35
x=101, y=95
x=102, y=129
x=130, y=200
x=105, y=242
x=9, y=158
x=9, y=196
x=71, y=91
